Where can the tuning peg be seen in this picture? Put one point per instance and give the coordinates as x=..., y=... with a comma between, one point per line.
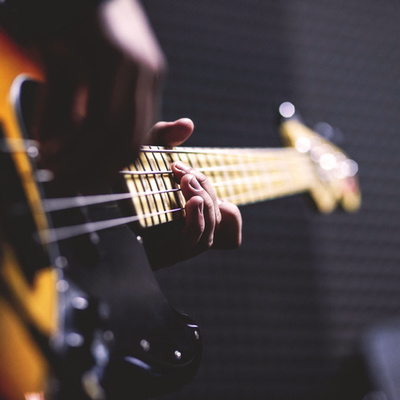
x=335, y=173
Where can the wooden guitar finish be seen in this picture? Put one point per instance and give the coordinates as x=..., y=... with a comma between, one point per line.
x=23, y=368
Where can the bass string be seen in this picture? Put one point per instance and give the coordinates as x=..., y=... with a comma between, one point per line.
x=64, y=203
x=220, y=151
x=275, y=166
x=60, y=233
x=59, y=204
x=271, y=158
x=66, y=232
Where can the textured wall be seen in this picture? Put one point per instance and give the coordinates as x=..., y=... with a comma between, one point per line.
x=282, y=316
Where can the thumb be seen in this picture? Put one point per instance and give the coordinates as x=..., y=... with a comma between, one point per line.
x=171, y=133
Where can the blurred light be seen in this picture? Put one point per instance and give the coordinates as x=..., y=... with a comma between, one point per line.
x=327, y=162
x=303, y=145
x=287, y=109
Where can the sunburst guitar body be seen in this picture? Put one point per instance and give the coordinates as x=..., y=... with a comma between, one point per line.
x=28, y=299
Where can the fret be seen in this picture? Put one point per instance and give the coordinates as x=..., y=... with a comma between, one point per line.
x=154, y=186
x=154, y=179
x=149, y=206
x=241, y=183
x=167, y=200
x=133, y=187
x=222, y=191
x=179, y=156
x=249, y=176
x=176, y=198
x=170, y=198
x=199, y=160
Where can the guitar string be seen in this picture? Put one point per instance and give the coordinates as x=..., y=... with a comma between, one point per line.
x=233, y=151
x=66, y=232
x=258, y=167
x=64, y=203
x=61, y=233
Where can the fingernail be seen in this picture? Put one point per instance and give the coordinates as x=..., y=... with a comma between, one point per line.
x=194, y=183
x=182, y=166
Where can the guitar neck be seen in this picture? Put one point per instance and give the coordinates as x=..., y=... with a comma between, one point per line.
x=241, y=176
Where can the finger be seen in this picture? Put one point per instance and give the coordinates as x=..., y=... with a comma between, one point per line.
x=194, y=224
x=180, y=169
x=171, y=133
x=191, y=188
x=228, y=234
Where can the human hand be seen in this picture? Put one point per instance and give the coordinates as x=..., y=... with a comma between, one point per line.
x=210, y=222
x=102, y=79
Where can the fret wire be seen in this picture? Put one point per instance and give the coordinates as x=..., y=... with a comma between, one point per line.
x=187, y=161
x=233, y=188
x=254, y=175
x=150, y=180
x=196, y=163
x=223, y=190
x=177, y=198
x=180, y=199
x=207, y=162
x=146, y=179
x=141, y=201
x=166, y=200
x=249, y=187
x=142, y=182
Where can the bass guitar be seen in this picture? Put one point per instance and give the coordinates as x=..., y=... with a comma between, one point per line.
x=81, y=315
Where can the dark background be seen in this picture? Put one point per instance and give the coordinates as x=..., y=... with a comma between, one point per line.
x=282, y=317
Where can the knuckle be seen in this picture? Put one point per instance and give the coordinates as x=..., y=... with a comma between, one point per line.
x=201, y=177
x=209, y=204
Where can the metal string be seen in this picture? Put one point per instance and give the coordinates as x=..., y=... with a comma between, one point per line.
x=66, y=232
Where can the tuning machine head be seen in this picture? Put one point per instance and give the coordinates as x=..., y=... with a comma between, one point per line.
x=335, y=173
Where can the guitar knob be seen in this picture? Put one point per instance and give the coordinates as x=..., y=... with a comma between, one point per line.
x=84, y=343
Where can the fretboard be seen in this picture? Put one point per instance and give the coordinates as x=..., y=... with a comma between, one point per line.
x=241, y=176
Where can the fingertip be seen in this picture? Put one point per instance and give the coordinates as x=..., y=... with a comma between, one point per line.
x=230, y=229
x=196, y=203
x=171, y=133
x=195, y=218
x=186, y=122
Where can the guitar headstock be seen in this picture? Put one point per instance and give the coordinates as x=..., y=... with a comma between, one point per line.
x=336, y=180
